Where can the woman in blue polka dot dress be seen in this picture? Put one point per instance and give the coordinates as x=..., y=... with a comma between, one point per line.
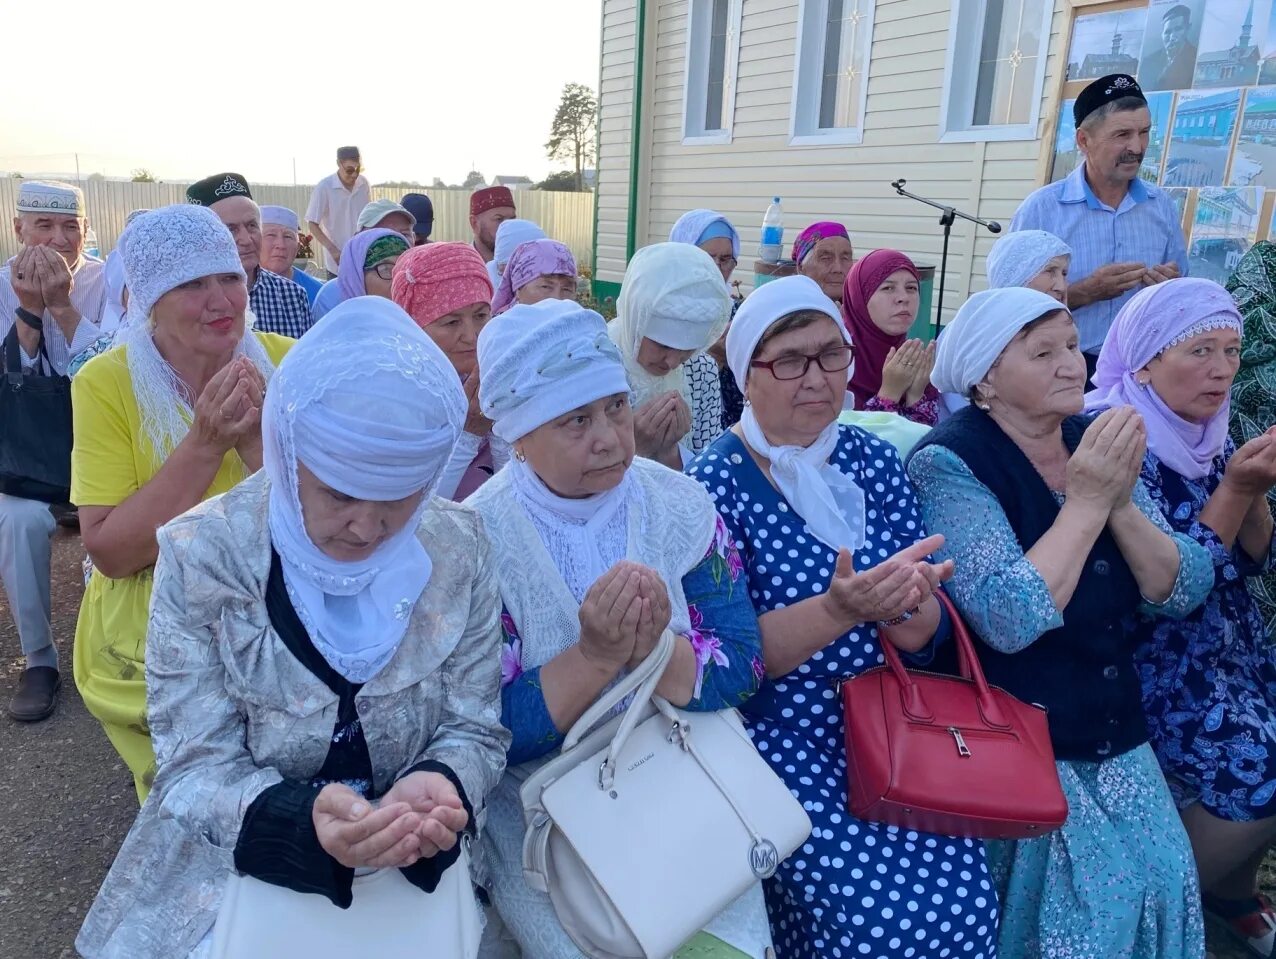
x=788, y=482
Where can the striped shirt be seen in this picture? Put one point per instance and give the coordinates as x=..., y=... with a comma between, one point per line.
x=280, y=305
x=88, y=296
x=1145, y=228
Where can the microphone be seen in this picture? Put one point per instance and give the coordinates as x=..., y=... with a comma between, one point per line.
x=898, y=184
x=994, y=226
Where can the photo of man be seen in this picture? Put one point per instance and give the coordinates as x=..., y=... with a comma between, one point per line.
x=1169, y=45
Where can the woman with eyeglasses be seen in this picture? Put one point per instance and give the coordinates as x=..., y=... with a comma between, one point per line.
x=367, y=267
x=835, y=556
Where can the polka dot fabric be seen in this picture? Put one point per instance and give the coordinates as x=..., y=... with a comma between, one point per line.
x=854, y=889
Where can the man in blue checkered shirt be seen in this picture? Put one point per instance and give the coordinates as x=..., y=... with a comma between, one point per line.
x=280, y=304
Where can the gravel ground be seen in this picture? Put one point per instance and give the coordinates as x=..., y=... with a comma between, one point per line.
x=71, y=800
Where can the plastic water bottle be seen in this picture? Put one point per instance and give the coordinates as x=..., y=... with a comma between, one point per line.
x=772, y=233
x=90, y=242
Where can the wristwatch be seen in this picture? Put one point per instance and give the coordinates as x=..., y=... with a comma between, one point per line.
x=29, y=318
x=902, y=617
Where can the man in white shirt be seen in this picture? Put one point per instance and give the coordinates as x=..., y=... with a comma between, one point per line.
x=50, y=287
x=335, y=205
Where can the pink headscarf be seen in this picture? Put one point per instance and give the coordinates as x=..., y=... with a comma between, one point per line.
x=871, y=343
x=812, y=235
x=436, y=279
x=1153, y=320
x=533, y=259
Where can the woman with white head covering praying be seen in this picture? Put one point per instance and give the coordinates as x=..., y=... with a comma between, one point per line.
x=1209, y=681
x=1033, y=259
x=836, y=562
x=1060, y=551
x=165, y=420
x=673, y=305
x=597, y=553
x=323, y=662
x=510, y=235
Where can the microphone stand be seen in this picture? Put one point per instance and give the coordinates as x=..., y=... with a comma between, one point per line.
x=948, y=215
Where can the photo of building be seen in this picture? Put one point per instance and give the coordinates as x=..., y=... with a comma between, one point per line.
x=1236, y=65
x=1106, y=43
x=1200, y=144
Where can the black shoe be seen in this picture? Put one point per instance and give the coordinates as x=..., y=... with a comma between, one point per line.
x=37, y=694
x=66, y=515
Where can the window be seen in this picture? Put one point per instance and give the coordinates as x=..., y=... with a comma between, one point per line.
x=713, y=54
x=996, y=69
x=835, y=39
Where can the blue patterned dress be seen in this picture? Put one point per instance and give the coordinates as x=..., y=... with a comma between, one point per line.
x=1209, y=681
x=853, y=889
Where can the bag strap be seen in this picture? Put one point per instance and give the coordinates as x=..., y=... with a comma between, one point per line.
x=642, y=683
x=967, y=660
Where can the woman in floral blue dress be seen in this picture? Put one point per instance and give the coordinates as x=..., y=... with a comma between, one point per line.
x=597, y=553
x=1209, y=681
x=835, y=557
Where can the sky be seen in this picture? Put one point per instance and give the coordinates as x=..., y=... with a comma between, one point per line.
x=424, y=89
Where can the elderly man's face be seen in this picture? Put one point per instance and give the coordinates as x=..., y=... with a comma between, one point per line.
x=400, y=223
x=279, y=245
x=243, y=218
x=1115, y=146
x=58, y=231
x=1174, y=34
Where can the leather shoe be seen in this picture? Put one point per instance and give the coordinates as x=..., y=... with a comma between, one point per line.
x=37, y=694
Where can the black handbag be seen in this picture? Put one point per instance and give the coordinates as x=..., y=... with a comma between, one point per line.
x=35, y=427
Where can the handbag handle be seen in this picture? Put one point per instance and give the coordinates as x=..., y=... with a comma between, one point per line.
x=642, y=683
x=968, y=662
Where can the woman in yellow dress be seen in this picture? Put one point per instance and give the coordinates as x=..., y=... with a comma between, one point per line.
x=168, y=418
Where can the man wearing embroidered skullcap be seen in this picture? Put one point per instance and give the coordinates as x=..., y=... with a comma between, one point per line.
x=280, y=305
x=334, y=208
x=1124, y=232
x=280, y=241
x=489, y=208
x=49, y=288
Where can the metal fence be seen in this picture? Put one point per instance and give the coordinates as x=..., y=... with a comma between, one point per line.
x=567, y=217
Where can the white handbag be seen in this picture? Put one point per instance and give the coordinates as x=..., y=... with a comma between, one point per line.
x=389, y=917
x=641, y=831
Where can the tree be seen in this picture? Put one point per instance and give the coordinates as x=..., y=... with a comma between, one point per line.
x=143, y=175
x=473, y=179
x=564, y=181
x=571, y=135
x=15, y=175
x=438, y=184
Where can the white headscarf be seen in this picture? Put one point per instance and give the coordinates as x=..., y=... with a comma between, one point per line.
x=373, y=408
x=1018, y=257
x=510, y=235
x=982, y=328
x=826, y=498
x=692, y=225
x=672, y=294
x=161, y=250
x=113, y=273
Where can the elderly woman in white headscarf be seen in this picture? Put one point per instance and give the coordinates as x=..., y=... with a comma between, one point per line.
x=1032, y=258
x=323, y=668
x=597, y=553
x=1060, y=550
x=673, y=306
x=835, y=559
x=165, y=420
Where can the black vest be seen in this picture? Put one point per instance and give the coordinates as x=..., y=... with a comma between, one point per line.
x=1083, y=672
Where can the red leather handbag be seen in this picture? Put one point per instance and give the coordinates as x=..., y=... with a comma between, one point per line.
x=948, y=754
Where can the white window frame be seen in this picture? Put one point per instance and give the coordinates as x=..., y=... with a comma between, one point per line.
x=695, y=76
x=961, y=72
x=808, y=72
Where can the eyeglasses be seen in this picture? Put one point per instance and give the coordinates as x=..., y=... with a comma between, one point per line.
x=384, y=269
x=729, y=262
x=794, y=367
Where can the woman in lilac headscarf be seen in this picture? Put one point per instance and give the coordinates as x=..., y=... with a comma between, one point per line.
x=1209, y=681
x=538, y=270
x=367, y=265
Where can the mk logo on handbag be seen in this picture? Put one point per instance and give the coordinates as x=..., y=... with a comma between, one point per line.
x=764, y=859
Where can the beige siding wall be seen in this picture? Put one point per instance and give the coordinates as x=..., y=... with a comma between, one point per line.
x=615, y=100
x=847, y=183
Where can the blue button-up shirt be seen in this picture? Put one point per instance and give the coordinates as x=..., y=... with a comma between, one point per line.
x=1145, y=228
